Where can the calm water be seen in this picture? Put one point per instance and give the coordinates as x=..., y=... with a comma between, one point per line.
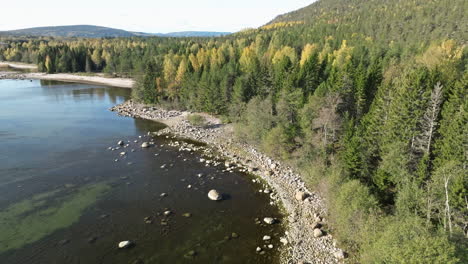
x=64, y=198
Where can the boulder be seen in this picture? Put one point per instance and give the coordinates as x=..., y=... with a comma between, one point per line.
x=301, y=196
x=121, y=143
x=318, y=232
x=269, y=220
x=316, y=225
x=283, y=241
x=214, y=195
x=339, y=254
x=145, y=145
x=126, y=244
x=265, y=238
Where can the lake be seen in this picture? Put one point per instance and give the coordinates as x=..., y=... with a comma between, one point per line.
x=65, y=197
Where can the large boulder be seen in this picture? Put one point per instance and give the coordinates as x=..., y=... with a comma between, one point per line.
x=214, y=195
x=301, y=196
x=126, y=244
x=318, y=232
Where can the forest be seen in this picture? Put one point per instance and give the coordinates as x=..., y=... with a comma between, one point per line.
x=373, y=114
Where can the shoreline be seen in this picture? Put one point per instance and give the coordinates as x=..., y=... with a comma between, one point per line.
x=68, y=77
x=303, y=208
x=303, y=215
x=18, y=65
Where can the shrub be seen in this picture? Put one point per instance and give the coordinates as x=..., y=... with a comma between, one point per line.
x=352, y=208
x=408, y=240
x=196, y=120
x=277, y=143
x=257, y=120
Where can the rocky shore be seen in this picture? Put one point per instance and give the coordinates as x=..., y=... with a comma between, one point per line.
x=306, y=239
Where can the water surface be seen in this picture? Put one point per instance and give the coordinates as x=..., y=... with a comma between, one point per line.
x=66, y=198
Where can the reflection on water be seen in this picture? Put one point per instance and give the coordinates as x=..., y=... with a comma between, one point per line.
x=66, y=198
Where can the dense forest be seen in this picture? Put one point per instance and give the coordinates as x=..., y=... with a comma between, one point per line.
x=368, y=99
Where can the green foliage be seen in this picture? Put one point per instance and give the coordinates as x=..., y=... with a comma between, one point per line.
x=196, y=120
x=407, y=240
x=277, y=143
x=257, y=120
x=352, y=208
x=146, y=88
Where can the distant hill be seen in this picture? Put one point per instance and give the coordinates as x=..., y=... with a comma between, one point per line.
x=89, y=31
x=193, y=34
x=86, y=31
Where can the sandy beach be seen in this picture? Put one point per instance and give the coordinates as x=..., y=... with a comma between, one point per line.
x=64, y=77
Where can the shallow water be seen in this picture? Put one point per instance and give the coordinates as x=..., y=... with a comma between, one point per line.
x=64, y=198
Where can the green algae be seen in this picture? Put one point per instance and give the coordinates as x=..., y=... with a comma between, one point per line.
x=30, y=220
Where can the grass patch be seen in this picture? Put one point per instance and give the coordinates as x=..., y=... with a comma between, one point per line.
x=197, y=120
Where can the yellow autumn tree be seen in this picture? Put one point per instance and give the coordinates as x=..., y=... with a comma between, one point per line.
x=194, y=62
x=248, y=59
x=285, y=52
x=97, y=58
x=436, y=55
x=169, y=69
x=48, y=64
x=181, y=71
x=342, y=56
x=202, y=57
x=307, y=52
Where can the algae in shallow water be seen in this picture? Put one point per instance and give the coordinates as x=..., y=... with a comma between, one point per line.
x=30, y=220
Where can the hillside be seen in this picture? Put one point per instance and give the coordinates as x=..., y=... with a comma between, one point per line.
x=90, y=31
x=193, y=34
x=395, y=20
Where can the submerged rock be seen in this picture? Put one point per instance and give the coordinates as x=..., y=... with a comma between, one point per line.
x=126, y=244
x=191, y=253
x=145, y=145
x=214, y=195
x=283, y=241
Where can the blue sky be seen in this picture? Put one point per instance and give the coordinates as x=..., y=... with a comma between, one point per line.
x=147, y=15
